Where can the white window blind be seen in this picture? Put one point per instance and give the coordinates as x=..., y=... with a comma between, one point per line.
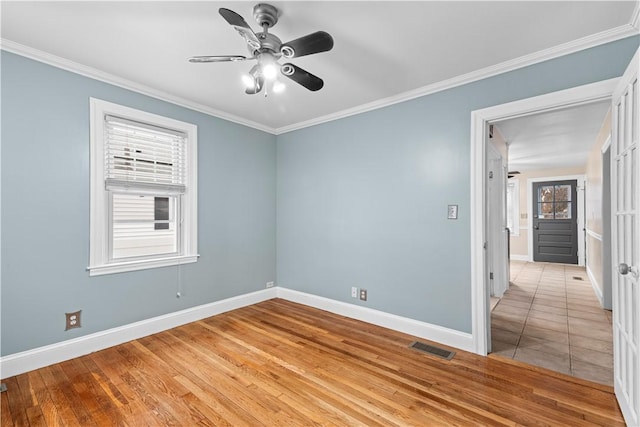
x=144, y=157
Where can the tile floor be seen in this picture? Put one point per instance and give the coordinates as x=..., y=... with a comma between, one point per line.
x=550, y=317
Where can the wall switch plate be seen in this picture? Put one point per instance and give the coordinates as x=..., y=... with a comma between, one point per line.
x=363, y=294
x=354, y=292
x=72, y=320
x=269, y=284
x=452, y=212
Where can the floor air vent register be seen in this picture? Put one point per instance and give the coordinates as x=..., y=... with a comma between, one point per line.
x=434, y=351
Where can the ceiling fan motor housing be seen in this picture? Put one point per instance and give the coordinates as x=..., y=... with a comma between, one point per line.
x=269, y=42
x=265, y=14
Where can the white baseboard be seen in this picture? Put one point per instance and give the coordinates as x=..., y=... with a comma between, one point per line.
x=595, y=286
x=450, y=337
x=18, y=363
x=519, y=257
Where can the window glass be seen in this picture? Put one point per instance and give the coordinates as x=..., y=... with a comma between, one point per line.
x=562, y=193
x=137, y=230
x=554, y=202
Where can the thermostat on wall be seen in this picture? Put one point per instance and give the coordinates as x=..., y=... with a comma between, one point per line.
x=452, y=212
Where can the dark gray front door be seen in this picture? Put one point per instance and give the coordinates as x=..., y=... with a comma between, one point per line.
x=555, y=223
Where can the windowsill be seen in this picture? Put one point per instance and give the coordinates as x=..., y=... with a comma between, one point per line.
x=121, y=267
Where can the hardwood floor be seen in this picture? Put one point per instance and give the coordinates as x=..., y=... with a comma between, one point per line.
x=282, y=364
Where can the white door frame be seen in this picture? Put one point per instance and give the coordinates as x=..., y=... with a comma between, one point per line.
x=479, y=119
x=581, y=180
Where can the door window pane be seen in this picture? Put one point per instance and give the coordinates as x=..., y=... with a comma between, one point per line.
x=563, y=193
x=545, y=194
x=563, y=210
x=545, y=210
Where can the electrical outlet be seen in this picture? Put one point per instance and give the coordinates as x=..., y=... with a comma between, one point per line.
x=269, y=284
x=363, y=294
x=354, y=292
x=73, y=320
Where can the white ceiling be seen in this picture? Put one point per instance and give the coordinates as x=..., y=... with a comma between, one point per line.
x=384, y=51
x=556, y=139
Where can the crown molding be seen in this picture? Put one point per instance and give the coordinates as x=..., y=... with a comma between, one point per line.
x=635, y=16
x=594, y=40
x=93, y=73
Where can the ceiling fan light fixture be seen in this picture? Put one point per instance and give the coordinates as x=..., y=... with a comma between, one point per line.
x=267, y=63
x=269, y=71
x=249, y=81
x=278, y=87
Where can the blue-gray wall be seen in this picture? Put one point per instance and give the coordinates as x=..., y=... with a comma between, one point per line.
x=362, y=201
x=45, y=212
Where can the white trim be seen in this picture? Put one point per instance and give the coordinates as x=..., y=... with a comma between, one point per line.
x=601, y=38
x=420, y=329
x=524, y=227
x=94, y=73
x=18, y=363
x=598, y=39
x=581, y=180
x=594, y=285
x=479, y=119
x=519, y=257
x=594, y=234
x=606, y=145
x=121, y=267
x=635, y=17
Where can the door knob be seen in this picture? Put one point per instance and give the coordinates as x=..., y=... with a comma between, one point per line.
x=624, y=269
x=535, y=227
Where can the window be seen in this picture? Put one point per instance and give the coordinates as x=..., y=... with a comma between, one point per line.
x=143, y=190
x=513, y=207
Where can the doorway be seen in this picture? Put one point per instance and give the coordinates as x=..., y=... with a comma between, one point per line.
x=625, y=97
x=591, y=93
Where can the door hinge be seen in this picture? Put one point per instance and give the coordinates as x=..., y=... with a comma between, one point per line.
x=491, y=276
x=490, y=174
x=484, y=245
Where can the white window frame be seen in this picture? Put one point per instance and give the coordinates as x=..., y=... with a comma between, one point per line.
x=99, y=259
x=515, y=202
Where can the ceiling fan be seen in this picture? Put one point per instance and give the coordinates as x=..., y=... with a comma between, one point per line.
x=267, y=49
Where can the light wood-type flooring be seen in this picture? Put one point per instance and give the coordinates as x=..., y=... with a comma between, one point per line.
x=279, y=363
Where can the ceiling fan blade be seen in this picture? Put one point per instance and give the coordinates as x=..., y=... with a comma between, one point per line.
x=217, y=58
x=317, y=42
x=241, y=26
x=302, y=77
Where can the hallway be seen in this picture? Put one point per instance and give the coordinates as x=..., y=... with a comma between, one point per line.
x=550, y=317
